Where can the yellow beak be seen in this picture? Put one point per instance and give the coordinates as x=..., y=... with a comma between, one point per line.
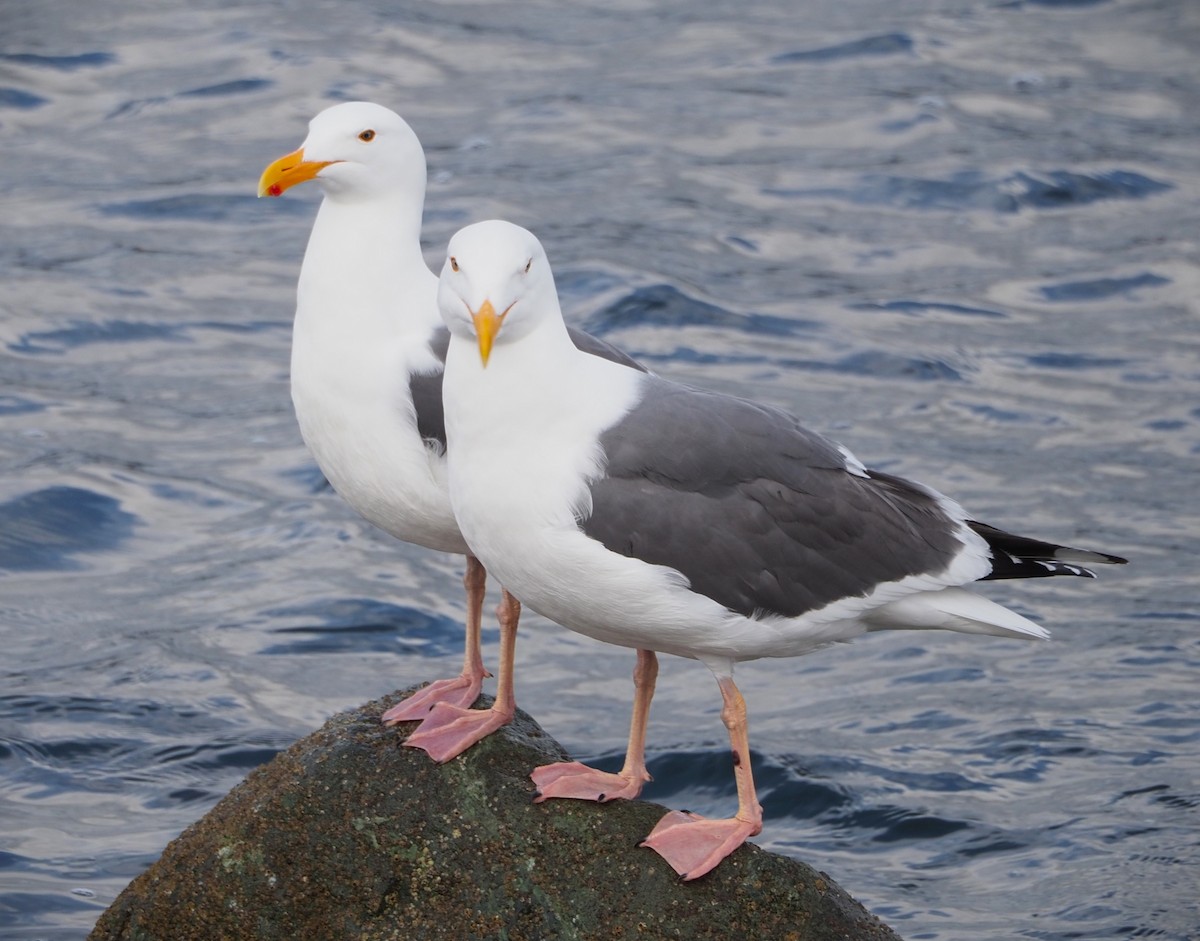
x=487, y=325
x=287, y=171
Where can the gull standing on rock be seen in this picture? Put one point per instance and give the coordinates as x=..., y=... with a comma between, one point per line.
x=368, y=350
x=648, y=514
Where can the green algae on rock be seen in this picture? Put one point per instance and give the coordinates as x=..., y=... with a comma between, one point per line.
x=348, y=835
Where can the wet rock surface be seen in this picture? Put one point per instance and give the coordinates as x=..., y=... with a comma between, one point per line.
x=350, y=835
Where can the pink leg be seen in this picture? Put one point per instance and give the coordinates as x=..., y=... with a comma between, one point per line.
x=463, y=689
x=690, y=843
x=451, y=730
x=573, y=779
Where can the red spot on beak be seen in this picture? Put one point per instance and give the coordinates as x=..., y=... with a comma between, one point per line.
x=274, y=190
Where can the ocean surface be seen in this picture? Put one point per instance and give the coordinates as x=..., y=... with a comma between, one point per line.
x=960, y=236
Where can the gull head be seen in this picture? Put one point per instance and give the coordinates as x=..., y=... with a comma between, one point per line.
x=354, y=150
x=496, y=285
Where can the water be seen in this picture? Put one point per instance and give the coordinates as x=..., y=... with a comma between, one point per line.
x=958, y=236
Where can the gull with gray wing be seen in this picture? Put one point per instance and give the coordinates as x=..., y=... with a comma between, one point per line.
x=648, y=514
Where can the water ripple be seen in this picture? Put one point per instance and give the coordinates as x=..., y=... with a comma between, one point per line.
x=1101, y=288
x=881, y=364
x=971, y=189
x=85, y=333
x=236, y=87
x=198, y=207
x=43, y=530
x=20, y=100
x=882, y=45
x=664, y=305
x=920, y=308
x=17, y=405
x=117, y=747
x=362, y=625
x=85, y=60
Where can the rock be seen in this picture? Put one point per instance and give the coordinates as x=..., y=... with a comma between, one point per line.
x=348, y=836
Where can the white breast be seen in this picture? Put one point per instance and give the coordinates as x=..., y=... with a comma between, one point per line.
x=362, y=326
x=356, y=415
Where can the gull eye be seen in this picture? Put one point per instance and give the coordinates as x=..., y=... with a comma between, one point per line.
x=528, y=265
x=367, y=136
x=453, y=263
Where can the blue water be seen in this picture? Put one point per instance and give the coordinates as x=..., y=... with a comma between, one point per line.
x=959, y=236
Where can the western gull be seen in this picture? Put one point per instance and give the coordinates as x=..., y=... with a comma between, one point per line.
x=652, y=515
x=367, y=355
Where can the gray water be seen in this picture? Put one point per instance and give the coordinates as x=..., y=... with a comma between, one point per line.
x=960, y=237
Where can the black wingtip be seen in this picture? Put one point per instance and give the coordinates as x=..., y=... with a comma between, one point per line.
x=1021, y=557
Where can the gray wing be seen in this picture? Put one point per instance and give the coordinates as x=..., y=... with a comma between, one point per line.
x=426, y=388
x=760, y=514
x=597, y=347
x=426, y=391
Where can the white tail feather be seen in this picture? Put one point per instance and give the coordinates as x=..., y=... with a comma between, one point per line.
x=953, y=609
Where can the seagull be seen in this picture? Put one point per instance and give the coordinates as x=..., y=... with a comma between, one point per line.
x=644, y=513
x=368, y=348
